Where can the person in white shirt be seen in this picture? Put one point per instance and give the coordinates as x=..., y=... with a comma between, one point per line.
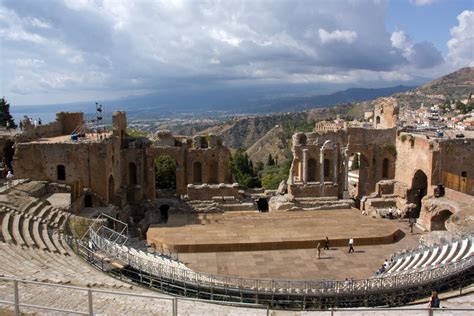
x=351, y=245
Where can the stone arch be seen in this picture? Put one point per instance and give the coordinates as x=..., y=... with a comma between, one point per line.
x=312, y=170
x=212, y=172
x=438, y=221
x=419, y=188
x=61, y=172
x=197, y=172
x=377, y=120
x=385, y=168
x=359, y=174
x=303, y=139
x=132, y=174
x=111, y=188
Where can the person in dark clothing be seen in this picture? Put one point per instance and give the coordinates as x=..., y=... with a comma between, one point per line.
x=326, y=243
x=434, y=300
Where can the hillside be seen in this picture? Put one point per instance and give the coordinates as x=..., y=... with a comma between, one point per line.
x=274, y=142
x=457, y=85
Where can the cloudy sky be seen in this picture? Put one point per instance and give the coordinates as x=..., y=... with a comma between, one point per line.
x=58, y=51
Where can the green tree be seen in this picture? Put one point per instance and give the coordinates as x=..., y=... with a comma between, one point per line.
x=242, y=169
x=5, y=116
x=273, y=175
x=165, y=172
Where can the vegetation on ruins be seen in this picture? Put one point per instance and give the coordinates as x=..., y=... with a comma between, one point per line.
x=5, y=116
x=136, y=133
x=242, y=169
x=403, y=138
x=165, y=172
x=391, y=149
x=272, y=175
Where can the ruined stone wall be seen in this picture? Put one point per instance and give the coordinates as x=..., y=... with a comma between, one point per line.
x=456, y=161
x=204, y=153
x=69, y=121
x=134, y=170
x=207, y=192
x=416, y=152
x=307, y=177
x=385, y=113
x=91, y=163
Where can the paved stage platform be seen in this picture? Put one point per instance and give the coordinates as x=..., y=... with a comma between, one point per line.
x=252, y=231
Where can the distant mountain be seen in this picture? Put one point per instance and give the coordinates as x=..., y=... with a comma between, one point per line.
x=222, y=102
x=274, y=142
x=454, y=86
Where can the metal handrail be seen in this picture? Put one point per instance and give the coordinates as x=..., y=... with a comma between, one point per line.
x=290, y=286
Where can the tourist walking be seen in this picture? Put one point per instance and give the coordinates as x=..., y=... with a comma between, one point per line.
x=351, y=245
x=319, y=250
x=326, y=243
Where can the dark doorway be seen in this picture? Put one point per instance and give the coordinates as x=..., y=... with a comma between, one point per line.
x=197, y=173
x=8, y=153
x=164, y=213
x=262, y=205
x=418, y=190
x=385, y=166
x=438, y=222
x=61, y=172
x=132, y=174
x=88, y=200
x=327, y=169
x=312, y=176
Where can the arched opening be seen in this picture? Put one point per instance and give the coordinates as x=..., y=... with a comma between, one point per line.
x=61, y=172
x=197, y=173
x=111, y=188
x=165, y=173
x=438, y=222
x=302, y=139
x=385, y=166
x=88, y=200
x=358, y=175
x=132, y=174
x=419, y=187
x=164, y=213
x=377, y=120
x=8, y=153
x=212, y=173
x=327, y=169
x=203, y=143
x=312, y=173
x=262, y=205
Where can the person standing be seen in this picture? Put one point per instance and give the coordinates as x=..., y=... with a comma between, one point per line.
x=326, y=243
x=351, y=245
x=319, y=250
x=9, y=178
x=434, y=300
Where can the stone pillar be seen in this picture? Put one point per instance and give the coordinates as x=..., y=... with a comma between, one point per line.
x=305, y=165
x=335, y=163
x=321, y=165
x=346, y=169
x=291, y=177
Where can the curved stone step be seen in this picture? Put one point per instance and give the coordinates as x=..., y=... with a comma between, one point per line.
x=47, y=238
x=37, y=235
x=16, y=230
x=26, y=228
x=6, y=222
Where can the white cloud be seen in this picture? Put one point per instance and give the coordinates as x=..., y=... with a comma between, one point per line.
x=461, y=44
x=344, y=36
x=422, y=2
x=111, y=46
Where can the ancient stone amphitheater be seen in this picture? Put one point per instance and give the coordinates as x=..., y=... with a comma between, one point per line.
x=43, y=265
